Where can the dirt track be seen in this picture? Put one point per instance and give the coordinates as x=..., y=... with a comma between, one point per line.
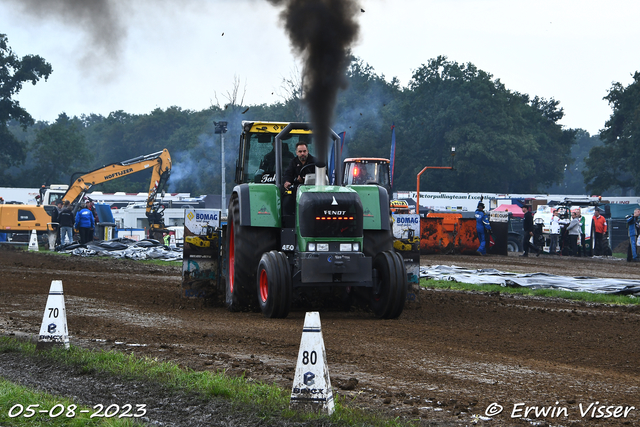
x=446, y=359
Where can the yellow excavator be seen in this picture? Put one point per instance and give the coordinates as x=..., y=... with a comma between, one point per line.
x=160, y=164
x=24, y=218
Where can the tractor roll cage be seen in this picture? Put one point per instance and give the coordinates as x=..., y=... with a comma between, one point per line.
x=305, y=126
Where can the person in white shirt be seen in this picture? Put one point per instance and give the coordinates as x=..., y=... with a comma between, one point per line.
x=554, y=233
x=573, y=229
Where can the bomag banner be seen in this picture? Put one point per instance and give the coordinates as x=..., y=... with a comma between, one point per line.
x=406, y=241
x=201, y=265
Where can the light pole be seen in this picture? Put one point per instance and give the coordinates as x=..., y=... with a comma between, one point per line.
x=221, y=128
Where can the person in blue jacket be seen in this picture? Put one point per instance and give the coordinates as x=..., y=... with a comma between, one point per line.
x=85, y=224
x=633, y=224
x=482, y=226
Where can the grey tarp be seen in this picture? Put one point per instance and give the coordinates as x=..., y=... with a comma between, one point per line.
x=126, y=248
x=491, y=276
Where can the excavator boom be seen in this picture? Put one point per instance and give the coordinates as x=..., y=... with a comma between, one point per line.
x=160, y=164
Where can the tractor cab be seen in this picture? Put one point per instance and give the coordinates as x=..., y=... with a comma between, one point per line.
x=257, y=156
x=367, y=170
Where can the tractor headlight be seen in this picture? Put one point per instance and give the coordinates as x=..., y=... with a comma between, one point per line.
x=323, y=247
x=346, y=247
x=311, y=247
x=356, y=247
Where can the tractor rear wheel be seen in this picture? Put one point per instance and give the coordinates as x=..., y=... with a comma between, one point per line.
x=403, y=287
x=274, y=285
x=390, y=285
x=245, y=245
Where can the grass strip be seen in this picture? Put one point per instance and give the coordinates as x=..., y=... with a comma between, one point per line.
x=21, y=406
x=268, y=401
x=551, y=293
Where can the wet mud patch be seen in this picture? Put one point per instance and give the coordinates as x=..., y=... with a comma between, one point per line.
x=446, y=360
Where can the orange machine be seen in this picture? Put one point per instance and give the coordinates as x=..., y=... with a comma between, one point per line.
x=19, y=220
x=160, y=165
x=24, y=218
x=448, y=233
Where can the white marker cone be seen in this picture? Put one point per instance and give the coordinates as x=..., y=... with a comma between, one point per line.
x=33, y=241
x=54, y=322
x=311, y=385
x=172, y=241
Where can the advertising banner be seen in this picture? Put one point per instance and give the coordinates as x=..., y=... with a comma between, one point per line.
x=201, y=267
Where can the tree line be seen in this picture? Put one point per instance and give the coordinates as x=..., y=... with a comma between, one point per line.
x=505, y=141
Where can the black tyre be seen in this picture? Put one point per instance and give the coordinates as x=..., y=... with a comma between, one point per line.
x=376, y=241
x=513, y=244
x=274, y=285
x=390, y=285
x=245, y=245
x=402, y=289
x=373, y=242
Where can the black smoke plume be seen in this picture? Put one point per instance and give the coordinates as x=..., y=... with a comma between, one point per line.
x=321, y=31
x=100, y=20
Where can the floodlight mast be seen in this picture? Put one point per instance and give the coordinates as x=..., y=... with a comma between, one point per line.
x=221, y=128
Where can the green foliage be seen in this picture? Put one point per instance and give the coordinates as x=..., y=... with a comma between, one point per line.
x=14, y=72
x=505, y=141
x=12, y=394
x=365, y=111
x=573, y=181
x=614, y=166
x=268, y=401
x=58, y=150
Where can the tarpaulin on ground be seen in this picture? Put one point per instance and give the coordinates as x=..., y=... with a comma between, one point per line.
x=491, y=276
x=125, y=248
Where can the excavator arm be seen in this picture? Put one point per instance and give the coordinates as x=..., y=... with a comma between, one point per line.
x=159, y=177
x=160, y=164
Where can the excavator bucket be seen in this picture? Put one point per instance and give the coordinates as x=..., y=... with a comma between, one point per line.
x=444, y=233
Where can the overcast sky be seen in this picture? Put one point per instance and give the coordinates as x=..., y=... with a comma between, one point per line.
x=140, y=55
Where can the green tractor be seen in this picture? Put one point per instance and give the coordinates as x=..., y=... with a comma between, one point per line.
x=280, y=242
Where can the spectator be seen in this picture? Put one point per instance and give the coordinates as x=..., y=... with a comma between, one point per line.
x=66, y=224
x=600, y=224
x=482, y=226
x=528, y=232
x=573, y=229
x=633, y=223
x=582, y=248
x=40, y=196
x=91, y=206
x=554, y=233
x=3, y=236
x=55, y=220
x=85, y=224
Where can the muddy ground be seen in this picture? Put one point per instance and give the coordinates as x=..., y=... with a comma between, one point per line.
x=449, y=359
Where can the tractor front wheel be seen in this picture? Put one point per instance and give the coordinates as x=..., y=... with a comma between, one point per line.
x=274, y=285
